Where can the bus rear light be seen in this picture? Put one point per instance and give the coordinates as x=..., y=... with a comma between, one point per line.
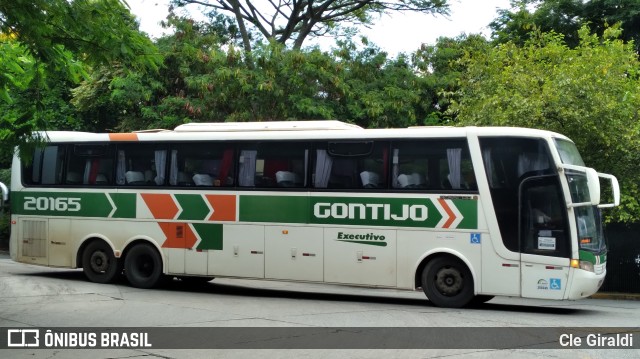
x=575, y=263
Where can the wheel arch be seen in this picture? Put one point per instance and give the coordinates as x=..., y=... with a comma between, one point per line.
x=443, y=252
x=85, y=242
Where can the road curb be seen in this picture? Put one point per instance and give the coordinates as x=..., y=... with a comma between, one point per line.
x=616, y=296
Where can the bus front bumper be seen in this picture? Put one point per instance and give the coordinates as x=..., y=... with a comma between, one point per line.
x=585, y=284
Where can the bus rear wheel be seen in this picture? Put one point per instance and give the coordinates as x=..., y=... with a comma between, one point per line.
x=99, y=264
x=447, y=282
x=143, y=266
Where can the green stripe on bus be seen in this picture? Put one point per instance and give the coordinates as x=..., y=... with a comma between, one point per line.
x=193, y=207
x=210, y=234
x=278, y=209
x=469, y=210
x=375, y=211
x=363, y=211
x=125, y=205
x=72, y=204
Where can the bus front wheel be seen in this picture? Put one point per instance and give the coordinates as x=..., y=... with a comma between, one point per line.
x=447, y=282
x=99, y=264
x=143, y=266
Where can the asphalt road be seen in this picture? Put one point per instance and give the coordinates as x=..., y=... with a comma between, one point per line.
x=39, y=297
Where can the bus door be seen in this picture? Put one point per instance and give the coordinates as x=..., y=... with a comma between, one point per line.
x=545, y=241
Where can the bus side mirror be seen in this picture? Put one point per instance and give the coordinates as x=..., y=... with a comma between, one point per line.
x=4, y=196
x=615, y=189
x=593, y=183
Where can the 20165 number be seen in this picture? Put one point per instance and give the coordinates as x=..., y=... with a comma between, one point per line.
x=60, y=204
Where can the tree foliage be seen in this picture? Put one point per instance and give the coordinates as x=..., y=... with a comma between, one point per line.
x=286, y=21
x=590, y=93
x=567, y=17
x=41, y=38
x=206, y=78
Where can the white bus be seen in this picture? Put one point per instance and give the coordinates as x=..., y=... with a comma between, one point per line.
x=463, y=213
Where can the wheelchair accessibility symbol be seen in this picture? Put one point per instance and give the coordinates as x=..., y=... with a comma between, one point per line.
x=475, y=238
x=555, y=284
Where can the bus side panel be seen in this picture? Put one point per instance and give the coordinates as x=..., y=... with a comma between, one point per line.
x=360, y=256
x=500, y=276
x=294, y=253
x=60, y=242
x=242, y=254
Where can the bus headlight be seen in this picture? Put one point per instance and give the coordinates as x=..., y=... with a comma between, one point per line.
x=588, y=266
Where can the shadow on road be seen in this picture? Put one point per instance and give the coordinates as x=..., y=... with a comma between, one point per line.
x=295, y=293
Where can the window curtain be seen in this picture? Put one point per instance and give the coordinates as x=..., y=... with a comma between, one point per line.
x=488, y=165
x=87, y=171
x=247, y=170
x=121, y=168
x=324, y=162
x=225, y=167
x=173, y=170
x=306, y=166
x=161, y=165
x=395, y=170
x=532, y=162
x=454, y=157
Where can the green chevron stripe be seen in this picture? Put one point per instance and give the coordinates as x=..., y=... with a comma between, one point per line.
x=193, y=207
x=210, y=235
x=125, y=205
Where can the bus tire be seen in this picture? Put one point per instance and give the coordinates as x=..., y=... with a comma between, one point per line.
x=99, y=264
x=143, y=266
x=447, y=282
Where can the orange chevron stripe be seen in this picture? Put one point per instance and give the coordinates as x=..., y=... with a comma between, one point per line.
x=179, y=235
x=452, y=216
x=161, y=205
x=224, y=207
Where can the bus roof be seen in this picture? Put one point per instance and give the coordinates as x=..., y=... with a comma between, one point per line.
x=293, y=130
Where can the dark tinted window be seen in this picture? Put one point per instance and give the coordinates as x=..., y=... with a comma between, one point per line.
x=141, y=165
x=508, y=162
x=90, y=165
x=351, y=165
x=46, y=167
x=202, y=164
x=433, y=165
x=273, y=164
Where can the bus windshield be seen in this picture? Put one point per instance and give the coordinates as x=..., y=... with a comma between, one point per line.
x=569, y=154
x=590, y=236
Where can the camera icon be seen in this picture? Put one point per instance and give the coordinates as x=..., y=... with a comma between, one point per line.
x=23, y=338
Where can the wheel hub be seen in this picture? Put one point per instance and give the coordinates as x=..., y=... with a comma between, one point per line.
x=449, y=281
x=99, y=261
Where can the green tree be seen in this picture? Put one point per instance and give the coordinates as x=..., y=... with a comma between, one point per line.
x=205, y=78
x=567, y=17
x=590, y=93
x=293, y=21
x=440, y=67
x=61, y=37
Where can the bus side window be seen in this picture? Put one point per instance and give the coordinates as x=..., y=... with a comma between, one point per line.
x=273, y=164
x=202, y=164
x=90, y=165
x=351, y=165
x=141, y=165
x=46, y=167
x=432, y=165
